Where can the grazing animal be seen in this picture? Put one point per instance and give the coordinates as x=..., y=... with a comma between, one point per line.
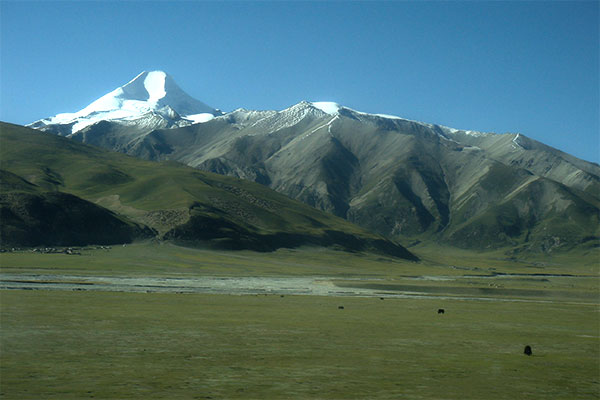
x=527, y=350
x=441, y=311
x=340, y=307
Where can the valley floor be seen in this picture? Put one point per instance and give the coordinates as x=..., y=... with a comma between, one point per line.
x=147, y=321
x=315, y=286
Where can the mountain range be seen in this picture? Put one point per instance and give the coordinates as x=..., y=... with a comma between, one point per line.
x=406, y=180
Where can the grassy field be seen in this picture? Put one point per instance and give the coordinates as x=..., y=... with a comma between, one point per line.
x=125, y=345
x=85, y=344
x=166, y=259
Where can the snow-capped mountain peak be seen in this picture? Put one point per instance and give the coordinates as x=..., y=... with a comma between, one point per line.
x=148, y=92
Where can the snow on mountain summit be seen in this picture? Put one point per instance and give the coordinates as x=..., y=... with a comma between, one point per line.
x=155, y=86
x=149, y=92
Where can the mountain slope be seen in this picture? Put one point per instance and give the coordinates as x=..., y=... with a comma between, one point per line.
x=401, y=178
x=404, y=179
x=178, y=202
x=33, y=217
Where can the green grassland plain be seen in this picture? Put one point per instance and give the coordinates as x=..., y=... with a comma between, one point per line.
x=93, y=344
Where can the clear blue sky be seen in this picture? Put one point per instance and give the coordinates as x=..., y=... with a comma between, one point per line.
x=528, y=67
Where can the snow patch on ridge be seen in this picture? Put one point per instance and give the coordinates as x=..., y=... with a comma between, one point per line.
x=332, y=108
x=199, y=118
x=455, y=131
x=515, y=142
x=389, y=116
x=329, y=107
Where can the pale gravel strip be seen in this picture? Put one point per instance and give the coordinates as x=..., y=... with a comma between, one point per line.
x=315, y=286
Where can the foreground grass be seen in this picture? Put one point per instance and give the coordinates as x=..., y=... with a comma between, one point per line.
x=72, y=345
x=65, y=345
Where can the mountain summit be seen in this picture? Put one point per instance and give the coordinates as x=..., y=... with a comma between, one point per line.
x=151, y=95
x=155, y=90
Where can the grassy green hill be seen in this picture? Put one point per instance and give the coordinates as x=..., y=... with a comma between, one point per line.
x=177, y=202
x=32, y=216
